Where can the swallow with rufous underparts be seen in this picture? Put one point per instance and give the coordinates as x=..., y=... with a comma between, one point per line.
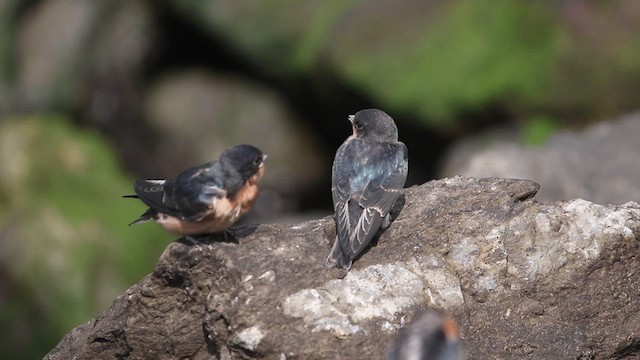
x=204, y=199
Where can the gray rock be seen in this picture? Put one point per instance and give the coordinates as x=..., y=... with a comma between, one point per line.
x=523, y=279
x=120, y=47
x=599, y=164
x=50, y=40
x=81, y=55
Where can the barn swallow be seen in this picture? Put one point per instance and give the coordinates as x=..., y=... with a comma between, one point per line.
x=369, y=170
x=432, y=336
x=204, y=199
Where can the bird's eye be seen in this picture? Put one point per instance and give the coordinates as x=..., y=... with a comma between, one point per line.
x=357, y=125
x=257, y=160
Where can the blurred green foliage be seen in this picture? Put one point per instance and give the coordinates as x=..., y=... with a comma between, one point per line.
x=471, y=55
x=436, y=63
x=67, y=248
x=267, y=32
x=439, y=60
x=538, y=129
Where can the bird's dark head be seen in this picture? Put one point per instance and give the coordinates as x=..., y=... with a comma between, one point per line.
x=246, y=160
x=374, y=124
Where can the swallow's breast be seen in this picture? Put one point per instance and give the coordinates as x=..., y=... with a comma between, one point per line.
x=246, y=197
x=213, y=222
x=222, y=214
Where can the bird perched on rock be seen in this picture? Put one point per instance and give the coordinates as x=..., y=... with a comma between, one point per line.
x=432, y=336
x=369, y=170
x=204, y=199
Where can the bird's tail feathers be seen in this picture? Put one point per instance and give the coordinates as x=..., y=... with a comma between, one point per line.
x=146, y=216
x=140, y=220
x=336, y=253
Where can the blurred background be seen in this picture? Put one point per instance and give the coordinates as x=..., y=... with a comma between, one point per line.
x=94, y=94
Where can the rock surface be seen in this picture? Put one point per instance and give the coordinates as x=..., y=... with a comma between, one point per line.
x=523, y=279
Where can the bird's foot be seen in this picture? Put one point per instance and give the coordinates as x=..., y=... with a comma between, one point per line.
x=192, y=240
x=227, y=236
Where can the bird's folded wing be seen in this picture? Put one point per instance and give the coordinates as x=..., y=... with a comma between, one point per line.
x=152, y=194
x=381, y=192
x=341, y=195
x=366, y=227
x=196, y=191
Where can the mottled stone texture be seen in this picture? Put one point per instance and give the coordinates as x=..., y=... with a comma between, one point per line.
x=523, y=280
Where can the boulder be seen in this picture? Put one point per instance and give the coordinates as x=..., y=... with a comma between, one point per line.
x=523, y=279
x=598, y=164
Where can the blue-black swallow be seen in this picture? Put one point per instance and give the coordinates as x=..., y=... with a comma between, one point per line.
x=204, y=199
x=432, y=336
x=369, y=170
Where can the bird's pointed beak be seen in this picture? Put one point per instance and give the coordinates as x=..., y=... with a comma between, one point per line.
x=264, y=157
x=351, y=117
